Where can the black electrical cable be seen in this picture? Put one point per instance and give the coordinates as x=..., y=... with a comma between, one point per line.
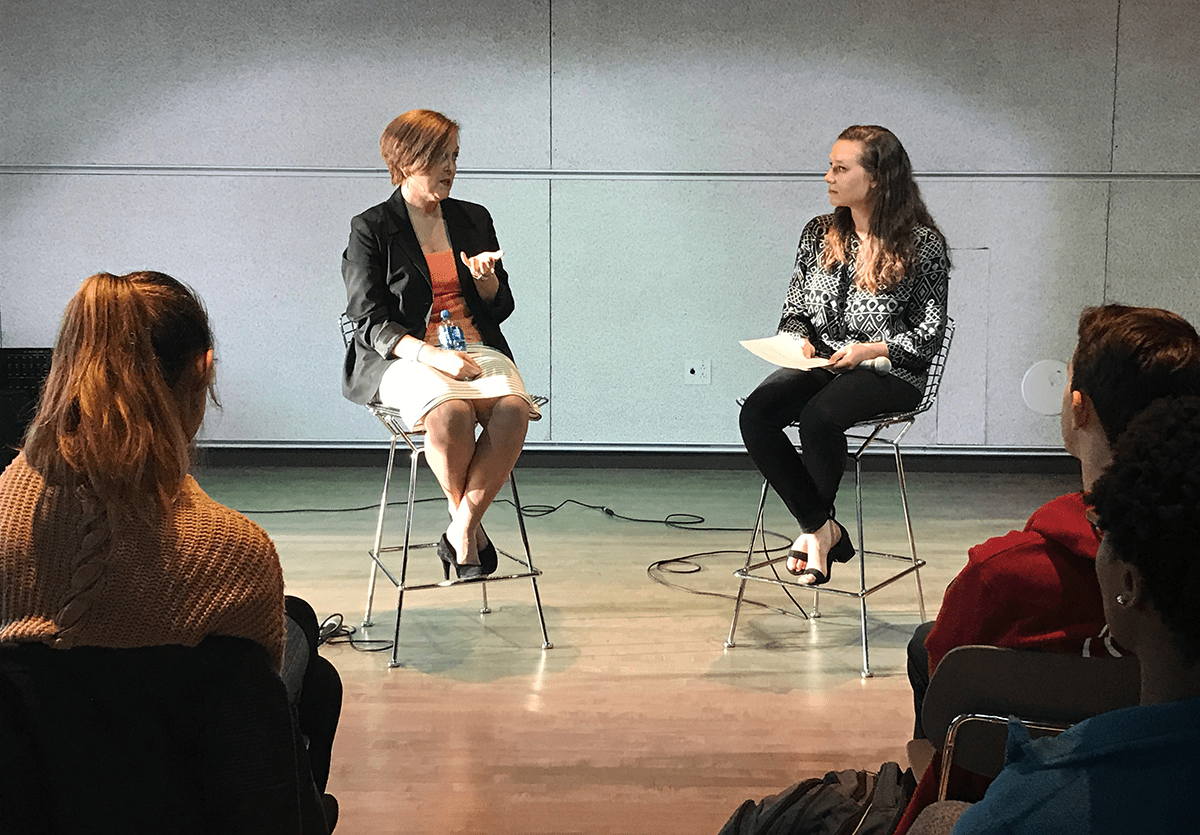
x=338, y=633
x=280, y=511
x=334, y=631
x=667, y=566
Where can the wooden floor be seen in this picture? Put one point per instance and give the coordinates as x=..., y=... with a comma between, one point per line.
x=638, y=720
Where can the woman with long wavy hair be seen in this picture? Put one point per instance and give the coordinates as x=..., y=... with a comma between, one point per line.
x=105, y=539
x=870, y=281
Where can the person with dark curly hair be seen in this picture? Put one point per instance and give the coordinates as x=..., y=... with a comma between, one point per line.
x=1130, y=770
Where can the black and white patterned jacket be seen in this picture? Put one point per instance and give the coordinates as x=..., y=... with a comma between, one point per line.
x=832, y=312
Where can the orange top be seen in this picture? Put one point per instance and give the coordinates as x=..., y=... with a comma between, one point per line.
x=447, y=295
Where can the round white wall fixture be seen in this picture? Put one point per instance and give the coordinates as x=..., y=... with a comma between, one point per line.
x=1043, y=386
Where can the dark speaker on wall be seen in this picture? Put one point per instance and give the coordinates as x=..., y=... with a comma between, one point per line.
x=22, y=372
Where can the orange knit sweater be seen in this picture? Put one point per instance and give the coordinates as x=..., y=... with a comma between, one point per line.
x=71, y=576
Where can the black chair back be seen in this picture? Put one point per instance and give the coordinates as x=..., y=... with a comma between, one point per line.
x=154, y=739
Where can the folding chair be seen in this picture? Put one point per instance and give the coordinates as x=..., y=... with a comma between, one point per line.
x=975, y=690
x=864, y=434
x=414, y=440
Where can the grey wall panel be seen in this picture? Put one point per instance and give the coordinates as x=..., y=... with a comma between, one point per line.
x=264, y=253
x=959, y=415
x=1016, y=292
x=968, y=86
x=270, y=280
x=647, y=273
x=1045, y=261
x=1158, y=87
x=39, y=216
x=274, y=84
x=650, y=275
x=1153, y=253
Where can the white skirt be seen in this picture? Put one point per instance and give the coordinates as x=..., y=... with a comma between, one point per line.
x=415, y=389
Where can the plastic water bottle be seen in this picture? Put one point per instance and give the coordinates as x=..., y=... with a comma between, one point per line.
x=450, y=335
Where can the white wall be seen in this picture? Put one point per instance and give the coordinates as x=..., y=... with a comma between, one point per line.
x=649, y=166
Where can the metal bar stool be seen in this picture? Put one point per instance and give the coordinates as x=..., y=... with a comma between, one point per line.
x=883, y=429
x=414, y=440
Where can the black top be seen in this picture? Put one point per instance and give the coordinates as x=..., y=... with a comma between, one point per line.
x=389, y=292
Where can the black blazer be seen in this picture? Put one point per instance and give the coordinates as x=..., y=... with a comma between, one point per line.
x=389, y=292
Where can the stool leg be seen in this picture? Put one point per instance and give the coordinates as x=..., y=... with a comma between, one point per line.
x=862, y=566
x=374, y=553
x=537, y=598
x=912, y=542
x=816, y=609
x=758, y=527
x=414, y=460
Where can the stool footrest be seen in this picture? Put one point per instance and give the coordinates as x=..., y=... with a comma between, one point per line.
x=747, y=573
x=464, y=581
x=399, y=579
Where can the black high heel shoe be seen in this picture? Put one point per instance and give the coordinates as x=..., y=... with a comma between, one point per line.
x=488, y=559
x=446, y=554
x=842, y=551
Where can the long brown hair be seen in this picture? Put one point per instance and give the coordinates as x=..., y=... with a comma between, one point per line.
x=118, y=408
x=888, y=251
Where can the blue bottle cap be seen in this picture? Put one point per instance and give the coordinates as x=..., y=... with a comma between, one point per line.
x=445, y=315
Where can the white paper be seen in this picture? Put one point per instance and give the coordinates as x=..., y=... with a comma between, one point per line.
x=784, y=350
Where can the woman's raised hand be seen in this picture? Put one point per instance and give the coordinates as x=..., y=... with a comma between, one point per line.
x=483, y=265
x=456, y=364
x=483, y=270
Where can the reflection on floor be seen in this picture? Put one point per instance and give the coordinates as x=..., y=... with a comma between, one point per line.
x=638, y=720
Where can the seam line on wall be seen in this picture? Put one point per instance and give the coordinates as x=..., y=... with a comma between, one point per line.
x=1112, y=149
x=552, y=174
x=550, y=77
x=550, y=218
x=1112, y=142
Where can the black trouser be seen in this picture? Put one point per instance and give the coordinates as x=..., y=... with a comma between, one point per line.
x=918, y=673
x=826, y=405
x=318, y=702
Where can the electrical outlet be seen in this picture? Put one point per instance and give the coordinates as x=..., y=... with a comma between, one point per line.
x=696, y=373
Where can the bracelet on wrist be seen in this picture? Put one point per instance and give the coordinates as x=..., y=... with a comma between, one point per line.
x=417, y=355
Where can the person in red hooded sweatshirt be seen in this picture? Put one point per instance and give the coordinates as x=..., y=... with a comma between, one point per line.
x=1036, y=588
